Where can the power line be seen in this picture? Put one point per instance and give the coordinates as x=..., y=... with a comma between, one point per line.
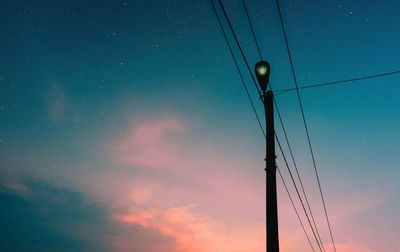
x=252, y=30
x=297, y=190
x=244, y=57
x=305, y=123
x=284, y=131
x=237, y=67
x=294, y=207
x=298, y=174
x=338, y=82
x=238, y=44
x=227, y=41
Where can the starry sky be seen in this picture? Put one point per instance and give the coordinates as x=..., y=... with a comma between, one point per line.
x=124, y=125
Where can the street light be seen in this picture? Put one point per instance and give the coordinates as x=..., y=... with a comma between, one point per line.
x=262, y=72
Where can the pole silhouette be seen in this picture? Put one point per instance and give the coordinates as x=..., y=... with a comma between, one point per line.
x=272, y=209
x=262, y=70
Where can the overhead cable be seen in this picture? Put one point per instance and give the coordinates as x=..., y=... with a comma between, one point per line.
x=227, y=41
x=238, y=44
x=305, y=123
x=284, y=131
x=237, y=68
x=338, y=82
x=251, y=27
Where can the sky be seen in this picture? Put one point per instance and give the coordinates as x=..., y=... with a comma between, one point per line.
x=124, y=125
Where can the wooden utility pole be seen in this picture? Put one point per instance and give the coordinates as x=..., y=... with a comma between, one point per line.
x=272, y=209
x=262, y=69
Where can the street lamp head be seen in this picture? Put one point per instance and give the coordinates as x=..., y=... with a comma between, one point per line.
x=262, y=72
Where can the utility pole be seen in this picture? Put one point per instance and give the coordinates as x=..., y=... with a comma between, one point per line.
x=262, y=70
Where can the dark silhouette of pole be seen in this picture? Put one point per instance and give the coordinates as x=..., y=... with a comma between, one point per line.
x=272, y=209
x=262, y=69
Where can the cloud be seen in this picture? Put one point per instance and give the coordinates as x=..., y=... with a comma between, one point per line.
x=56, y=103
x=17, y=188
x=193, y=232
x=149, y=144
x=189, y=200
x=60, y=105
x=135, y=238
x=165, y=190
x=348, y=247
x=50, y=218
x=185, y=194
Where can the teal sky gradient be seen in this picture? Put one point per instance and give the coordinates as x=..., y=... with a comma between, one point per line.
x=133, y=106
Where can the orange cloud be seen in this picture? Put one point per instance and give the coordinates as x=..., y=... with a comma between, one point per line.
x=192, y=232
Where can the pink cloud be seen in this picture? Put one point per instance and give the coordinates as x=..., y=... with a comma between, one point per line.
x=149, y=144
x=347, y=247
x=195, y=194
x=197, y=207
x=193, y=232
x=18, y=188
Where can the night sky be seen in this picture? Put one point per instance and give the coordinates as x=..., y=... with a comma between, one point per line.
x=124, y=125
